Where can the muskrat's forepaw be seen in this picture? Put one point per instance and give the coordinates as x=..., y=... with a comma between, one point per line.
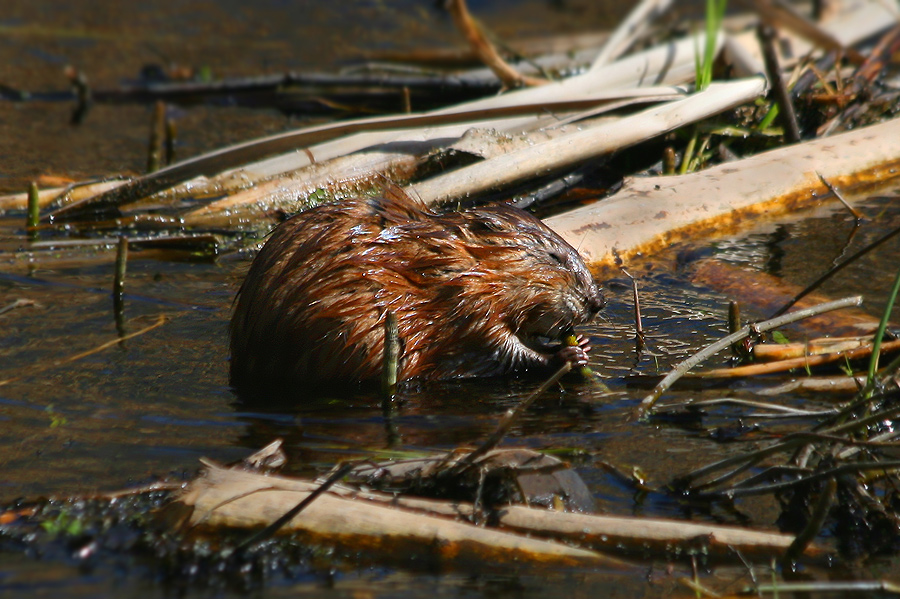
x=576, y=355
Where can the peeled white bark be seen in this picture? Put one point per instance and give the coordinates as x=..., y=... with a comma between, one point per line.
x=588, y=143
x=651, y=213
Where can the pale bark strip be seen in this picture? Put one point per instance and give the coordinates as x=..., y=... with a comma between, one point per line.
x=606, y=532
x=635, y=24
x=69, y=193
x=800, y=363
x=652, y=213
x=341, y=176
x=589, y=143
x=235, y=498
x=227, y=168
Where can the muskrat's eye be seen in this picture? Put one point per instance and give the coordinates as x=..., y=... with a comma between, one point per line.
x=558, y=258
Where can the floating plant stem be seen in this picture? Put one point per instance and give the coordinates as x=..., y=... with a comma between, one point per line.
x=835, y=269
x=391, y=356
x=648, y=402
x=119, y=278
x=34, y=210
x=171, y=135
x=48, y=365
x=157, y=126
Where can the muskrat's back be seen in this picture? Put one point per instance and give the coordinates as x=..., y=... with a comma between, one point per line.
x=475, y=293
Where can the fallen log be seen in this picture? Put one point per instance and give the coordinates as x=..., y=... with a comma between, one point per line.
x=652, y=213
x=222, y=497
x=437, y=531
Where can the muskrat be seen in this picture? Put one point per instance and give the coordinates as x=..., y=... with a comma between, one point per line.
x=476, y=293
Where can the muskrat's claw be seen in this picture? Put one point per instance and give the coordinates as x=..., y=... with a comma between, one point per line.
x=576, y=355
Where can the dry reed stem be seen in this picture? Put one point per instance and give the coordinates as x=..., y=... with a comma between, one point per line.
x=485, y=50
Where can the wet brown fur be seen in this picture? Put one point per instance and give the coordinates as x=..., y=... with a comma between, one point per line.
x=471, y=290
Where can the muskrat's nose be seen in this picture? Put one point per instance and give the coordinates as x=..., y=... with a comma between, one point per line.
x=596, y=302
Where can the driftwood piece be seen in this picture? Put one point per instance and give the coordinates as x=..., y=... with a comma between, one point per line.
x=652, y=213
x=801, y=362
x=652, y=534
x=839, y=386
x=771, y=352
x=401, y=525
x=571, y=149
x=239, y=499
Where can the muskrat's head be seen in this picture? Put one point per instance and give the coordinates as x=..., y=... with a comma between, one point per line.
x=547, y=288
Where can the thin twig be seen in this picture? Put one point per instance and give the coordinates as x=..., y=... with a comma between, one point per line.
x=40, y=368
x=786, y=114
x=485, y=50
x=812, y=478
x=879, y=334
x=19, y=303
x=34, y=211
x=648, y=402
x=509, y=419
x=815, y=523
x=157, y=135
x=761, y=405
x=391, y=356
x=834, y=190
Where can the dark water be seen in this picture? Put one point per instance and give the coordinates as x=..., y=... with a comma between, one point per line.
x=153, y=405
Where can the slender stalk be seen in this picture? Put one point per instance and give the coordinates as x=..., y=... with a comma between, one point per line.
x=391, y=356
x=669, y=160
x=734, y=324
x=119, y=285
x=155, y=145
x=688, y=156
x=786, y=114
x=34, y=210
x=509, y=419
x=835, y=269
x=171, y=135
x=121, y=266
x=274, y=527
x=48, y=365
x=837, y=193
x=715, y=12
x=876, y=343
